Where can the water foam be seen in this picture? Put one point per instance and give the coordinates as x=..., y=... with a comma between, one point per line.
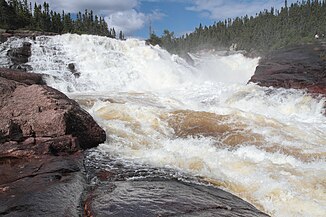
x=107, y=64
x=134, y=91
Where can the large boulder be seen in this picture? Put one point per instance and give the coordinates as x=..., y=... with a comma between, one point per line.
x=41, y=112
x=21, y=54
x=42, y=135
x=298, y=67
x=19, y=57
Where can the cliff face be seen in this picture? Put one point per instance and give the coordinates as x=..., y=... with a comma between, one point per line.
x=298, y=67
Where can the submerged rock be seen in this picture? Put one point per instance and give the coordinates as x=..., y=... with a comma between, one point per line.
x=72, y=69
x=42, y=133
x=298, y=67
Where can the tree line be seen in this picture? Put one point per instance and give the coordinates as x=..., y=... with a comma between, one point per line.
x=18, y=14
x=268, y=30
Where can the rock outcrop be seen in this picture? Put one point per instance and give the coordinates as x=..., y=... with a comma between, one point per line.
x=128, y=190
x=41, y=112
x=5, y=34
x=42, y=133
x=19, y=56
x=298, y=67
x=165, y=198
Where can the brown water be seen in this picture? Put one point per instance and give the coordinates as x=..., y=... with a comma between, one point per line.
x=265, y=145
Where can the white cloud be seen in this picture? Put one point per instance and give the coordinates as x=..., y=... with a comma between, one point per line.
x=96, y=6
x=221, y=9
x=131, y=20
x=127, y=21
x=120, y=14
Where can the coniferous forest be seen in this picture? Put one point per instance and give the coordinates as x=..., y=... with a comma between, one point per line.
x=269, y=30
x=17, y=14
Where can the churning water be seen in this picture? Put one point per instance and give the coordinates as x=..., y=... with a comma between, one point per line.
x=266, y=145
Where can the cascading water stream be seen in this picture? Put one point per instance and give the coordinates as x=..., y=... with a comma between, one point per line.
x=265, y=145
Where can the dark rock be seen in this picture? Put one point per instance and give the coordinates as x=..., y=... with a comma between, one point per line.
x=72, y=69
x=20, y=55
x=298, y=67
x=22, y=77
x=165, y=198
x=44, y=186
x=4, y=37
x=127, y=189
x=22, y=67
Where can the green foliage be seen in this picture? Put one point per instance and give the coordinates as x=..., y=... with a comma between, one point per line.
x=268, y=30
x=154, y=40
x=17, y=14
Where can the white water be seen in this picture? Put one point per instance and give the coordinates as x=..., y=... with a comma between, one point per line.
x=265, y=145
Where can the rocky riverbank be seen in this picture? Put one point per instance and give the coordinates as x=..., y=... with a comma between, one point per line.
x=298, y=67
x=43, y=171
x=42, y=135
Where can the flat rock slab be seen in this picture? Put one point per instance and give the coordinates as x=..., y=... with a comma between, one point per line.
x=47, y=186
x=165, y=198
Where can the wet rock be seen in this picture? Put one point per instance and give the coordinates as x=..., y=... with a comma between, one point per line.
x=123, y=189
x=22, y=77
x=44, y=186
x=72, y=69
x=298, y=67
x=165, y=198
x=20, y=55
x=4, y=37
x=42, y=135
x=22, y=67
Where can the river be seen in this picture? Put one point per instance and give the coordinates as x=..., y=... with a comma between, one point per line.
x=265, y=145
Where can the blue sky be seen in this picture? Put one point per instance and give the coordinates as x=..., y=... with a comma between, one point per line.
x=180, y=16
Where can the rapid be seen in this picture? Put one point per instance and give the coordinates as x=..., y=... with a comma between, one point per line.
x=265, y=145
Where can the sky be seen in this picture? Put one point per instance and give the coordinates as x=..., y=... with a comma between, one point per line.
x=134, y=17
